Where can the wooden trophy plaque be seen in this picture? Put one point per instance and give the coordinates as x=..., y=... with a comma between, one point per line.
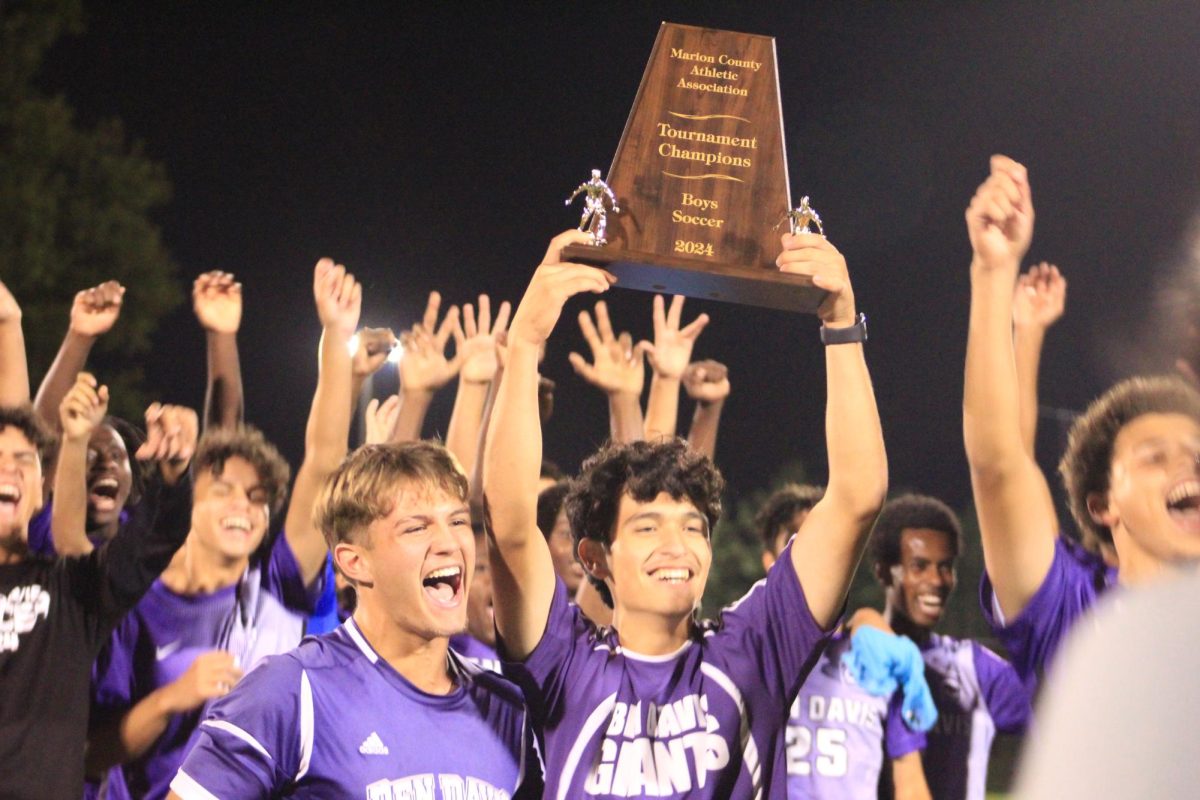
x=700, y=176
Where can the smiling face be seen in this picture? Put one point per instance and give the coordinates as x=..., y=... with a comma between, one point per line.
x=230, y=512
x=1152, y=505
x=415, y=564
x=918, y=587
x=659, y=558
x=109, y=477
x=20, y=487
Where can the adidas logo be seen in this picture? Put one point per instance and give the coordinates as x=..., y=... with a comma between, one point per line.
x=373, y=746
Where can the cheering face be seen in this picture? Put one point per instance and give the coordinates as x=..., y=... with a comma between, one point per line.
x=231, y=511
x=923, y=580
x=419, y=560
x=109, y=476
x=659, y=557
x=20, y=484
x=1153, y=502
x=562, y=551
x=481, y=617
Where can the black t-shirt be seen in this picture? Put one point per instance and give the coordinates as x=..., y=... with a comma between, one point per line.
x=55, y=615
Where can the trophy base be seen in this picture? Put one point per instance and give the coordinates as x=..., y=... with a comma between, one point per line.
x=765, y=288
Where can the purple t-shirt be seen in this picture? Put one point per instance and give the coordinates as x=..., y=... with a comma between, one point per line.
x=838, y=733
x=977, y=693
x=475, y=651
x=1076, y=578
x=41, y=541
x=704, y=722
x=333, y=719
x=157, y=642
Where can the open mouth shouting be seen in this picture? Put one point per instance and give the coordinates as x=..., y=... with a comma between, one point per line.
x=1183, y=505
x=10, y=499
x=672, y=575
x=931, y=604
x=102, y=494
x=443, y=586
x=237, y=524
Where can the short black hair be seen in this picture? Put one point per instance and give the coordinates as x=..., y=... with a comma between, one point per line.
x=781, y=506
x=906, y=512
x=642, y=470
x=550, y=502
x=1087, y=462
x=26, y=420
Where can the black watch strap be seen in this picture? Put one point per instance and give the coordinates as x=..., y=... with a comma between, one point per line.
x=854, y=334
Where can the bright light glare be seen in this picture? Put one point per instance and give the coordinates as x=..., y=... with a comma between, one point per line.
x=352, y=345
x=396, y=354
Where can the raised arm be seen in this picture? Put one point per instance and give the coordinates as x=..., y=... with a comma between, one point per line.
x=618, y=369
x=82, y=411
x=477, y=340
x=424, y=367
x=707, y=383
x=669, y=357
x=339, y=301
x=14, y=372
x=217, y=302
x=827, y=549
x=522, y=570
x=1038, y=303
x=93, y=313
x=1016, y=513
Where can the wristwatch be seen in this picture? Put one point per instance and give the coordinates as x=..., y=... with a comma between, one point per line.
x=852, y=335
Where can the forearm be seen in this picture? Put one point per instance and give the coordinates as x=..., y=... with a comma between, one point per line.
x=14, y=371
x=462, y=434
x=223, y=399
x=1027, y=351
x=702, y=436
x=69, y=362
x=68, y=516
x=134, y=734
x=624, y=417
x=662, y=408
x=513, y=452
x=413, y=407
x=908, y=778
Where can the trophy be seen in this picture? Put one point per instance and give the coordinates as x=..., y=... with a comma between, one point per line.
x=699, y=186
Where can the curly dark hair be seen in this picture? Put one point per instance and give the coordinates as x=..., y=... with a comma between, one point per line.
x=911, y=511
x=218, y=445
x=641, y=470
x=781, y=506
x=550, y=502
x=26, y=420
x=1086, y=464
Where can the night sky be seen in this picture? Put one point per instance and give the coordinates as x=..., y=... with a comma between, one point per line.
x=429, y=146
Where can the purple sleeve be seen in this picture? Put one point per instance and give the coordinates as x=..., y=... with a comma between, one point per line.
x=899, y=739
x=1007, y=698
x=769, y=638
x=41, y=543
x=249, y=744
x=543, y=676
x=282, y=578
x=1075, y=579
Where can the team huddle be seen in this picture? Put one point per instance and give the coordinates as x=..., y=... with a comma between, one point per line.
x=181, y=617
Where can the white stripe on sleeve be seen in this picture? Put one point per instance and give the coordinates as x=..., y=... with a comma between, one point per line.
x=306, y=725
x=186, y=787
x=230, y=728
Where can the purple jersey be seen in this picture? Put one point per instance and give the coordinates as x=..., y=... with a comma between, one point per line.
x=333, y=719
x=158, y=641
x=977, y=693
x=41, y=541
x=475, y=651
x=1076, y=578
x=838, y=733
x=704, y=722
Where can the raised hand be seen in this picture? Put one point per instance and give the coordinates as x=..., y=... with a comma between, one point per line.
x=171, y=433
x=10, y=309
x=424, y=365
x=211, y=675
x=477, y=340
x=381, y=419
x=95, y=310
x=671, y=351
x=553, y=283
x=1040, y=297
x=338, y=297
x=707, y=381
x=1000, y=216
x=618, y=367
x=217, y=301
x=371, y=351
x=83, y=408
x=813, y=255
